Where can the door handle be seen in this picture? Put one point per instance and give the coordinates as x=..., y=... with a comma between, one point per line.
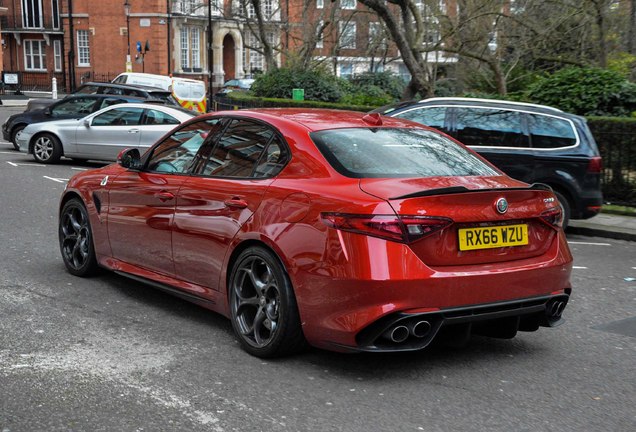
x=131, y=131
x=236, y=202
x=164, y=196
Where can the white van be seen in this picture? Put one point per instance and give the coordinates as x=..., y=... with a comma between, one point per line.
x=189, y=93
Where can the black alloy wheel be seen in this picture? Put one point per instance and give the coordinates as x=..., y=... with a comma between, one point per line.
x=47, y=148
x=76, y=239
x=263, y=308
x=14, y=134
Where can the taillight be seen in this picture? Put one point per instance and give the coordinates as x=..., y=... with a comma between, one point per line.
x=595, y=166
x=404, y=229
x=553, y=217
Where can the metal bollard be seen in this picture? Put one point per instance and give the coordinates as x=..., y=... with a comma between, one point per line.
x=54, y=89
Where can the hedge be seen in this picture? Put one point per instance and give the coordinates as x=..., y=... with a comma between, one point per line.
x=245, y=100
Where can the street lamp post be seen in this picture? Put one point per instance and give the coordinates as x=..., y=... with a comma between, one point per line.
x=210, y=53
x=128, y=61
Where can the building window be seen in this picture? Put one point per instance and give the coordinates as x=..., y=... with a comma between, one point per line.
x=320, y=4
x=377, y=38
x=34, y=55
x=319, y=38
x=32, y=13
x=57, y=55
x=346, y=71
x=185, y=58
x=195, y=48
x=83, y=49
x=348, y=4
x=348, y=35
x=255, y=57
x=268, y=8
x=55, y=12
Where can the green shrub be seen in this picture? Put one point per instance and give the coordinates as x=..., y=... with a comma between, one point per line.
x=318, y=84
x=247, y=100
x=367, y=95
x=586, y=91
x=391, y=84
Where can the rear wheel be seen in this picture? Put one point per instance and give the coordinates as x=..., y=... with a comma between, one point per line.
x=565, y=208
x=14, y=134
x=262, y=305
x=76, y=239
x=47, y=148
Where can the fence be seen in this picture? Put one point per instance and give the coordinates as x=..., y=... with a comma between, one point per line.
x=618, y=150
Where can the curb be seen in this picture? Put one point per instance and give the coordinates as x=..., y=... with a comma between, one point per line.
x=599, y=232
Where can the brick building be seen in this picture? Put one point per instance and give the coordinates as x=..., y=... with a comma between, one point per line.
x=80, y=40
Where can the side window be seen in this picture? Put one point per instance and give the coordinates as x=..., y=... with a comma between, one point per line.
x=80, y=105
x=120, y=116
x=433, y=117
x=272, y=160
x=183, y=151
x=156, y=117
x=239, y=150
x=490, y=127
x=111, y=101
x=550, y=132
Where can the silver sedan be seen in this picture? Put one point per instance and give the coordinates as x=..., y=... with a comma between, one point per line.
x=101, y=135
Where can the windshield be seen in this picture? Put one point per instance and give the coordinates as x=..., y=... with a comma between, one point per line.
x=397, y=152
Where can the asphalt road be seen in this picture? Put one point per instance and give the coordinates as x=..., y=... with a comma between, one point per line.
x=109, y=354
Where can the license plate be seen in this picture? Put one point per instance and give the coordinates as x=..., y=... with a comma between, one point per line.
x=493, y=237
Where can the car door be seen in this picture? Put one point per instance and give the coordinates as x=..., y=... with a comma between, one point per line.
x=109, y=132
x=499, y=135
x=213, y=206
x=141, y=203
x=154, y=124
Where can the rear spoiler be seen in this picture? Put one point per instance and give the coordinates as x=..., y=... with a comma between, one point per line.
x=462, y=189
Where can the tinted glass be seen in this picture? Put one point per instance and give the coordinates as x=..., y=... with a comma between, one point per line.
x=80, y=105
x=384, y=152
x=121, y=116
x=106, y=102
x=181, y=151
x=272, y=160
x=433, y=117
x=550, y=132
x=490, y=127
x=239, y=149
x=156, y=117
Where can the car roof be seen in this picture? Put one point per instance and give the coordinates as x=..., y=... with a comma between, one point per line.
x=314, y=119
x=125, y=86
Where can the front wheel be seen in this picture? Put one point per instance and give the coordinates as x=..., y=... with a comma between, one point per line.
x=263, y=307
x=47, y=149
x=76, y=239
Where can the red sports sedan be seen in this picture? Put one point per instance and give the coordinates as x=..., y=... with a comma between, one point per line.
x=347, y=231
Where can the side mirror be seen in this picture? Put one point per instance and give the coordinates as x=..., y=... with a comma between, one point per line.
x=87, y=123
x=130, y=159
x=47, y=111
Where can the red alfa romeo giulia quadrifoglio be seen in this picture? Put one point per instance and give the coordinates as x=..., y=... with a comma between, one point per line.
x=347, y=231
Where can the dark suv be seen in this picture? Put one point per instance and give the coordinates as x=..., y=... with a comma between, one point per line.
x=532, y=143
x=73, y=106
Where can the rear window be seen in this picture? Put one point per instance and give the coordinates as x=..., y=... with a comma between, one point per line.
x=397, y=152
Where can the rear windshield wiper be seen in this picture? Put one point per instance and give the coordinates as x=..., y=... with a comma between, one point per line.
x=462, y=189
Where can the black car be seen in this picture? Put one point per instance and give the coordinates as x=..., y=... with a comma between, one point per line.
x=532, y=143
x=73, y=106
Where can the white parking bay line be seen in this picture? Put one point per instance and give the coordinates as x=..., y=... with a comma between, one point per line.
x=24, y=164
x=79, y=169
x=589, y=243
x=59, y=180
x=579, y=267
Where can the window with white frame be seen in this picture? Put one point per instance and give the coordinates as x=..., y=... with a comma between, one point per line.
x=346, y=70
x=348, y=4
x=32, y=13
x=320, y=4
x=256, y=58
x=319, y=38
x=55, y=13
x=348, y=35
x=190, y=47
x=268, y=8
x=34, y=55
x=377, y=36
x=83, y=48
x=195, y=47
x=57, y=55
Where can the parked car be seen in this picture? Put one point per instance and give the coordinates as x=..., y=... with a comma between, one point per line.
x=235, y=85
x=348, y=231
x=532, y=143
x=141, y=91
x=101, y=135
x=74, y=106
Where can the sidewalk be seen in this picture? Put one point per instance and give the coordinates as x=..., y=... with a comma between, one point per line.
x=606, y=225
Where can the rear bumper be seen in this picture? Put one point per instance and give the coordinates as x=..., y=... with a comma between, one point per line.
x=589, y=205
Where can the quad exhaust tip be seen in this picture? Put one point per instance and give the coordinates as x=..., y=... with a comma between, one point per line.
x=555, y=309
x=421, y=329
x=397, y=334
x=400, y=333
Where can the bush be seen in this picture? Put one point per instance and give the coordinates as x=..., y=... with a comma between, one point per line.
x=236, y=100
x=586, y=91
x=318, y=84
x=391, y=84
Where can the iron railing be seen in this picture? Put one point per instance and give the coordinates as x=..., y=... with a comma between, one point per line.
x=618, y=150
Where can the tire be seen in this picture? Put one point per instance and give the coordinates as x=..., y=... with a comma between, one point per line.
x=263, y=307
x=565, y=208
x=47, y=149
x=14, y=134
x=76, y=239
